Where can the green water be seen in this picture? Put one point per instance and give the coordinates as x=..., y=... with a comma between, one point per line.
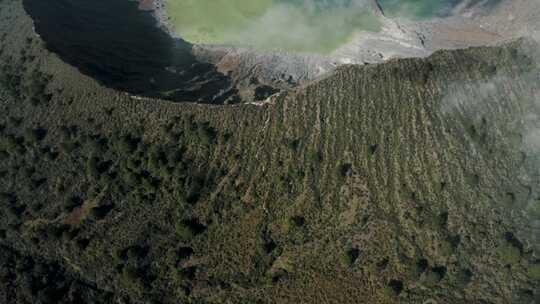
x=318, y=26
x=418, y=8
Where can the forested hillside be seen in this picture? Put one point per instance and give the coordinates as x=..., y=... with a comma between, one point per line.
x=412, y=181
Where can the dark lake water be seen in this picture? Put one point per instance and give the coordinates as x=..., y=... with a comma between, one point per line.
x=120, y=46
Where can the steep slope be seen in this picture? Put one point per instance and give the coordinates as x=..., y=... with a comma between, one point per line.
x=119, y=45
x=412, y=181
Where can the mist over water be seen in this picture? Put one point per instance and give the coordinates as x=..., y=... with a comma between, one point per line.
x=315, y=26
x=418, y=8
x=318, y=26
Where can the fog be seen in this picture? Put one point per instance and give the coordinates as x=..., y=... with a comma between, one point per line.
x=306, y=27
x=317, y=26
x=313, y=26
x=419, y=8
x=505, y=112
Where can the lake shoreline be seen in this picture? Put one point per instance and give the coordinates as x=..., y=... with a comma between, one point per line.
x=157, y=7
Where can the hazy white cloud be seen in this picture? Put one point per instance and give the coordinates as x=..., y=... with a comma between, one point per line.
x=512, y=107
x=306, y=26
x=298, y=25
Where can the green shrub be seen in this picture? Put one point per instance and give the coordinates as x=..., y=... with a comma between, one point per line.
x=350, y=256
x=92, y=167
x=130, y=179
x=183, y=231
x=206, y=134
x=130, y=274
x=127, y=144
x=534, y=271
x=13, y=145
